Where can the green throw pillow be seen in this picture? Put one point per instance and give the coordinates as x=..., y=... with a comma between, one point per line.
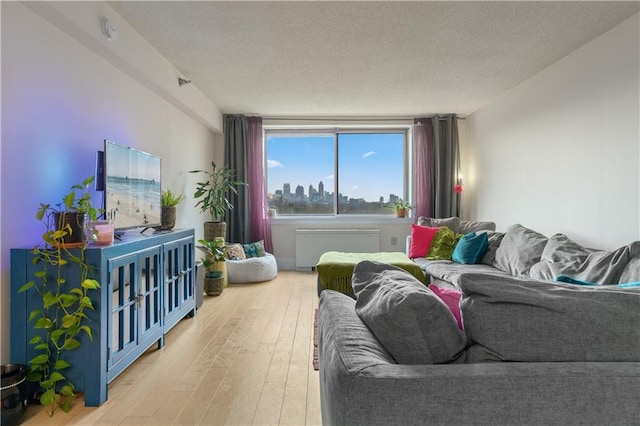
x=443, y=244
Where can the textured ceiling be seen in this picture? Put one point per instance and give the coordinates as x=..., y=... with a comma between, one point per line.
x=319, y=58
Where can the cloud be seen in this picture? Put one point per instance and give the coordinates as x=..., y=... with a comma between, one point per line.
x=273, y=163
x=368, y=154
x=331, y=176
x=355, y=187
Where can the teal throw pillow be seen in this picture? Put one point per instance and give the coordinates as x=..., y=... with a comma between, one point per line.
x=471, y=248
x=254, y=249
x=570, y=280
x=636, y=284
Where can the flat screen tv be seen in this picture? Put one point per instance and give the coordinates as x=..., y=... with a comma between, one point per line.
x=132, y=187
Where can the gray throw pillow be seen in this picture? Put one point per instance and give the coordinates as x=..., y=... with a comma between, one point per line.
x=631, y=272
x=512, y=319
x=495, y=238
x=452, y=223
x=563, y=256
x=520, y=249
x=467, y=226
x=413, y=324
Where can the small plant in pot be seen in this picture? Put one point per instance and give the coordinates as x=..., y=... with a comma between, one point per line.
x=401, y=207
x=211, y=196
x=215, y=255
x=60, y=321
x=169, y=201
x=69, y=217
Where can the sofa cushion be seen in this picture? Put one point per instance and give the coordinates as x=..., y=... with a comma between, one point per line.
x=467, y=226
x=563, y=256
x=452, y=223
x=470, y=248
x=411, y=322
x=520, y=249
x=443, y=244
x=495, y=238
x=421, y=237
x=511, y=319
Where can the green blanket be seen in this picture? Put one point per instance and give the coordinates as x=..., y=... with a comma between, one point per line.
x=335, y=268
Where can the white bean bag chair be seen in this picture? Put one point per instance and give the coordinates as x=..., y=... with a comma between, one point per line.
x=252, y=269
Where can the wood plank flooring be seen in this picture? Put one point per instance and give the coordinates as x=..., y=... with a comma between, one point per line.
x=245, y=358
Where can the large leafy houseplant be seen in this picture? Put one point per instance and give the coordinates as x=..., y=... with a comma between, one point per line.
x=211, y=194
x=61, y=319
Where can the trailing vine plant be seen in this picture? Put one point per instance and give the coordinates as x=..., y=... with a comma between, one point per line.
x=62, y=279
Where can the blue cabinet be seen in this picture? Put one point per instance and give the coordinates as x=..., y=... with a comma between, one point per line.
x=147, y=287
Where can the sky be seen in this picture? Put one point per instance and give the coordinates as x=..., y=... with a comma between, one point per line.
x=124, y=161
x=371, y=165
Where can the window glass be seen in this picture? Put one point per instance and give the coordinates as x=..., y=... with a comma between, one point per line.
x=370, y=172
x=332, y=172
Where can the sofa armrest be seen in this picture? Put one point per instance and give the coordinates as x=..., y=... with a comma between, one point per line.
x=407, y=248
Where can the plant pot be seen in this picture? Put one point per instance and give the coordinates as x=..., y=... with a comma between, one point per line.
x=14, y=394
x=213, y=286
x=401, y=212
x=212, y=230
x=214, y=274
x=75, y=231
x=167, y=218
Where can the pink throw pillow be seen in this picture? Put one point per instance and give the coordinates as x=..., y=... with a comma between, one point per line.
x=451, y=298
x=421, y=237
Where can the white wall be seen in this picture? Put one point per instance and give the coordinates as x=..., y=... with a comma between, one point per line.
x=561, y=151
x=63, y=92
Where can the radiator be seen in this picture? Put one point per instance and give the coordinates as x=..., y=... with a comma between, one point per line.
x=311, y=243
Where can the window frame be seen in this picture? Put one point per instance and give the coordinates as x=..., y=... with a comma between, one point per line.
x=334, y=131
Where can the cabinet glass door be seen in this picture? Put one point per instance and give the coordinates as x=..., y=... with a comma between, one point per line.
x=122, y=323
x=149, y=306
x=179, y=281
x=136, y=311
x=188, y=273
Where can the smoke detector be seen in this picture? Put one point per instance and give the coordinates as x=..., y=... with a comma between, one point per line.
x=109, y=29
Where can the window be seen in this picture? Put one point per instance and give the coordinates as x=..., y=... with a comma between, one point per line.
x=329, y=172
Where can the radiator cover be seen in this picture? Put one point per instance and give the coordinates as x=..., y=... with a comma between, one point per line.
x=311, y=243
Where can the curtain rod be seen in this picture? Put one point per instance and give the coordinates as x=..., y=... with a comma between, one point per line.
x=350, y=119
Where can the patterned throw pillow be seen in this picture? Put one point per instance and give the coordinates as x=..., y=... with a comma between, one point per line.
x=235, y=251
x=254, y=249
x=443, y=244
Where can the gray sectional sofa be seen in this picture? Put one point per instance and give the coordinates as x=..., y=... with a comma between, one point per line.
x=533, y=351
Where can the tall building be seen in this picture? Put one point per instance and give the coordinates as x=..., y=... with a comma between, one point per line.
x=321, y=189
x=286, y=189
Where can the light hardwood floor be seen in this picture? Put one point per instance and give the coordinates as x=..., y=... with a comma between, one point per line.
x=245, y=358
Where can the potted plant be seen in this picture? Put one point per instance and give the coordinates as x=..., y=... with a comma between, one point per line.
x=169, y=201
x=211, y=196
x=215, y=255
x=401, y=207
x=60, y=320
x=69, y=217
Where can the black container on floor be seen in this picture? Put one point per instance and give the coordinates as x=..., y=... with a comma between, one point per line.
x=14, y=394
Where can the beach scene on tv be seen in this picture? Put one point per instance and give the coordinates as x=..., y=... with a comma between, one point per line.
x=132, y=188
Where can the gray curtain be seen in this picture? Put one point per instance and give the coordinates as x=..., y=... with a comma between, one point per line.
x=446, y=165
x=235, y=157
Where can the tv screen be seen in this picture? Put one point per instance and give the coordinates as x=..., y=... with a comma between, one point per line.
x=132, y=187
